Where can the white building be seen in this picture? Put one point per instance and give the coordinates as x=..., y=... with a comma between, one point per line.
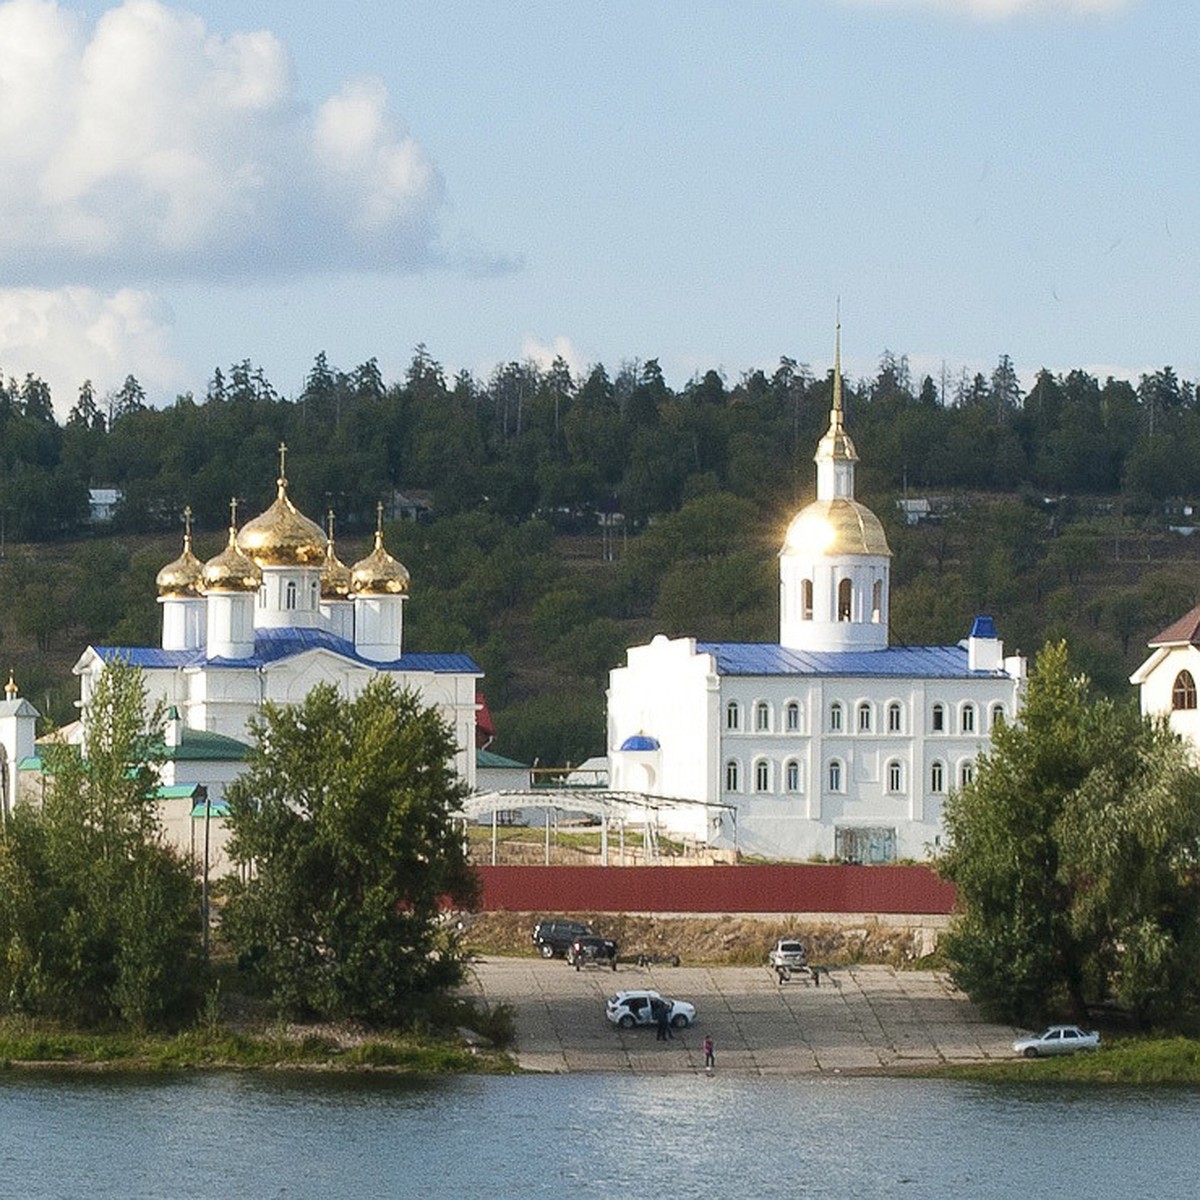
x=1167, y=679
x=271, y=616
x=830, y=743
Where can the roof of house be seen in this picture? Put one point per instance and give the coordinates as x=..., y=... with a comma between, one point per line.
x=1184, y=632
x=202, y=745
x=916, y=662
x=275, y=645
x=490, y=761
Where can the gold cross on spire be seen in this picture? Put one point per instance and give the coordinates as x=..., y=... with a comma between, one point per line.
x=329, y=525
x=232, y=512
x=282, y=463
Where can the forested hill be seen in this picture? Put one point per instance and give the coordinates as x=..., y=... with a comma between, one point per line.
x=1050, y=510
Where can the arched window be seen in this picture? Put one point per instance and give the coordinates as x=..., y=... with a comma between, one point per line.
x=966, y=773
x=791, y=776
x=997, y=716
x=835, y=717
x=968, y=718
x=937, y=777
x=835, y=775
x=938, y=718
x=1183, y=694
x=733, y=715
x=806, y=600
x=733, y=777
x=792, y=717
x=877, y=602
x=762, y=776
x=864, y=717
x=895, y=776
x=290, y=600
x=762, y=717
x=845, y=600
x=895, y=718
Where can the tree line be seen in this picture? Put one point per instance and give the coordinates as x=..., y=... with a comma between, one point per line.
x=530, y=440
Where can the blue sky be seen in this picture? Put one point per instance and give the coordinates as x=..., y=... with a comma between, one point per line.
x=185, y=186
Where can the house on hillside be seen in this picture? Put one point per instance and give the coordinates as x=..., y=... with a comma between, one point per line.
x=1166, y=681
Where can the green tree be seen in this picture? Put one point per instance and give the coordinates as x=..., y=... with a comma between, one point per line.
x=347, y=817
x=98, y=918
x=1074, y=853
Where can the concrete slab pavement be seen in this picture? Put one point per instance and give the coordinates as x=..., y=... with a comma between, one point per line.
x=862, y=1018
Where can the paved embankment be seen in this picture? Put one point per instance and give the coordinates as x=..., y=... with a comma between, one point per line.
x=863, y=1018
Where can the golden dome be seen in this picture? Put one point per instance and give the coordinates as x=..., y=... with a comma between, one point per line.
x=231, y=570
x=335, y=575
x=379, y=574
x=832, y=527
x=283, y=536
x=836, y=445
x=184, y=577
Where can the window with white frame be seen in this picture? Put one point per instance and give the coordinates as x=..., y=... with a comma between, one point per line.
x=864, y=717
x=835, y=775
x=806, y=600
x=845, y=603
x=791, y=776
x=966, y=773
x=733, y=716
x=290, y=600
x=762, y=775
x=997, y=715
x=967, y=720
x=937, y=718
x=792, y=717
x=895, y=776
x=937, y=777
x=895, y=718
x=835, y=717
x=877, y=602
x=762, y=717
x=733, y=776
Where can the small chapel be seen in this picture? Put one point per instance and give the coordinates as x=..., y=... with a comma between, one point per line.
x=831, y=743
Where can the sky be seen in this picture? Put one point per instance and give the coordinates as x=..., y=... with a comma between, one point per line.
x=184, y=186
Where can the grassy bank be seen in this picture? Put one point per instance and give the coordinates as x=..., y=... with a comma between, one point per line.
x=1126, y=1061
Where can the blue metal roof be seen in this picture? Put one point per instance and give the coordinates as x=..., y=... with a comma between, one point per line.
x=916, y=662
x=639, y=741
x=275, y=645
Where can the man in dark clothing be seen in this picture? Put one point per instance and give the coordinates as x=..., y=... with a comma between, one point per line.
x=662, y=1013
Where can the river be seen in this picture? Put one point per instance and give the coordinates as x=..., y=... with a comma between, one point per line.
x=267, y=1135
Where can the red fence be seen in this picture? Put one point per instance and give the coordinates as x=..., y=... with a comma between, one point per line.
x=760, y=889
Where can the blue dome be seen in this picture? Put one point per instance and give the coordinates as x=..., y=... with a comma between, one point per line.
x=640, y=741
x=984, y=627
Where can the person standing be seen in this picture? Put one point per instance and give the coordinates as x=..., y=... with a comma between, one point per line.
x=710, y=1060
x=663, y=1010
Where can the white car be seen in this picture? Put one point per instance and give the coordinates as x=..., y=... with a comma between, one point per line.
x=640, y=1007
x=1058, y=1039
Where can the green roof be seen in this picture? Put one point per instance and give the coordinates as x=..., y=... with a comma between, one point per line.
x=199, y=745
x=177, y=791
x=485, y=758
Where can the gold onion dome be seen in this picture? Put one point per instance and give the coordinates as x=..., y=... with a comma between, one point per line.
x=832, y=527
x=379, y=574
x=185, y=576
x=231, y=570
x=283, y=536
x=335, y=575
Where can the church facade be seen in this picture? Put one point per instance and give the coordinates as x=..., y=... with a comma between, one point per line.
x=266, y=620
x=830, y=743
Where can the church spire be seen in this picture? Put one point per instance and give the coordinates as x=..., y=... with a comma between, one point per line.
x=836, y=456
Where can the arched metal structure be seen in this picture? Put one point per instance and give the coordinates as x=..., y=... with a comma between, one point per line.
x=626, y=808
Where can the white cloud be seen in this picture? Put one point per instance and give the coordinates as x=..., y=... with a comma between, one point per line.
x=148, y=146
x=71, y=334
x=997, y=9
x=544, y=354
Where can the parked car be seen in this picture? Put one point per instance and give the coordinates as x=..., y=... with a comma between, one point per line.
x=1058, y=1039
x=639, y=1007
x=591, y=950
x=555, y=937
x=788, y=952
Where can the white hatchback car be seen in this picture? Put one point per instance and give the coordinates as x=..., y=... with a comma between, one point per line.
x=1058, y=1039
x=640, y=1007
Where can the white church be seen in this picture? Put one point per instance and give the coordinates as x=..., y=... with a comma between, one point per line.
x=268, y=618
x=831, y=743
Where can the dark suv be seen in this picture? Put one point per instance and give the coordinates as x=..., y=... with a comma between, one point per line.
x=588, y=950
x=555, y=937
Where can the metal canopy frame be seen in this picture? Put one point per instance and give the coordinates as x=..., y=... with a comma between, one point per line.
x=602, y=803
